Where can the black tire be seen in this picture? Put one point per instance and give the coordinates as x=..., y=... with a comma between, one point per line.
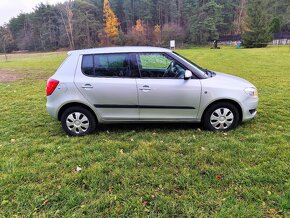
x=223, y=122
x=87, y=121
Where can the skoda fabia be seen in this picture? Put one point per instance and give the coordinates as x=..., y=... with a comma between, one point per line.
x=144, y=84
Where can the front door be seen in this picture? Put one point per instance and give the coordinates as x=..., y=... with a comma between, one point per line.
x=162, y=91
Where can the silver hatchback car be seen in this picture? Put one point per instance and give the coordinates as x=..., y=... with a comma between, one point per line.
x=144, y=84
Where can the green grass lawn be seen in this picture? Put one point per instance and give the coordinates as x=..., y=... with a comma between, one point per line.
x=135, y=170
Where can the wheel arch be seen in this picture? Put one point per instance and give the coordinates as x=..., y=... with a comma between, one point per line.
x=236, y=104
x=72, y=104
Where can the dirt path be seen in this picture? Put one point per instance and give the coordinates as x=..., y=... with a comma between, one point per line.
x=12, y=75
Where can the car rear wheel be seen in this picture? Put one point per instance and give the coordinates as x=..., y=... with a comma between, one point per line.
x=221, y=117
x=78, y=121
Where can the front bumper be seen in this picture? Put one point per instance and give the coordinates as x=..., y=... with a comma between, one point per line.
x=250, y=106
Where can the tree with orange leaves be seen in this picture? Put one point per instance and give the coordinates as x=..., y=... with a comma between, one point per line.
x=137, y=35
x=139, y=27
x=157, y=34
x=111, y=23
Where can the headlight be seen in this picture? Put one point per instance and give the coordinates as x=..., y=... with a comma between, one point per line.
x=251, y=91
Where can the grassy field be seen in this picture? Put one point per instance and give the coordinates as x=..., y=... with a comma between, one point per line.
x=167, y=170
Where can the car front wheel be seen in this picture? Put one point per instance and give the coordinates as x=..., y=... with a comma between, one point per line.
x=221, y=117
x=78, y=121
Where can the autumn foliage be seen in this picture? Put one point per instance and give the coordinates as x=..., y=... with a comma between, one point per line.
x=111, y=23
x=138, y=34
x=139, y=27
x=157, y=34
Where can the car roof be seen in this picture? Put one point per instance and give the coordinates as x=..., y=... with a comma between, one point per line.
x=123, y=49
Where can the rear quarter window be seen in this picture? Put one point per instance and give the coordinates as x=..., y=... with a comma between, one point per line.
x=88, y=65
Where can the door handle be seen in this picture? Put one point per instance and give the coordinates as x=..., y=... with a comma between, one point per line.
x=145, y=88
x=87, y=86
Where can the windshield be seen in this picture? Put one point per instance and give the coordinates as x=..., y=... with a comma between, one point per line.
x=204, y=71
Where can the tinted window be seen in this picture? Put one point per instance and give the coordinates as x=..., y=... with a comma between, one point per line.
x=88, y=65
x=158, y=65
x=107, y=65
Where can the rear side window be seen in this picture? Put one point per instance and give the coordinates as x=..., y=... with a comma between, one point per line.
x=107, y=65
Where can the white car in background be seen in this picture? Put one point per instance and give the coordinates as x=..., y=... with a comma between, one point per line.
x=144, y=84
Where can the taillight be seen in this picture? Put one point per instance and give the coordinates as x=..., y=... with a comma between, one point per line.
x=50, y=86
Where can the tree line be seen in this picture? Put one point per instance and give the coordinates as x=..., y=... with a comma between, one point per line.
x=79, y=24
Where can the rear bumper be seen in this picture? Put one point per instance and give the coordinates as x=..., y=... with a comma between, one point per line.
x=51, y=110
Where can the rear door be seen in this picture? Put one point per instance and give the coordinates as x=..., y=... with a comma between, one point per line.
x=163, y=93
x=108, y=82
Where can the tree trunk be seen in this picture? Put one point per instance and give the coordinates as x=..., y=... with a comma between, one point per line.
x=68, y=24
x=66, y=30
x=240, y=17
x=4, y=49
x=88, y=32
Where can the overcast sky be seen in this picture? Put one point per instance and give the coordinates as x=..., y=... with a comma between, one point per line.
x=11, y=8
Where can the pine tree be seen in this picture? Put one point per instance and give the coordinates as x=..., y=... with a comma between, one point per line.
x=257, y=33
x=275, y=25
x=111, y=22
x=206, y=21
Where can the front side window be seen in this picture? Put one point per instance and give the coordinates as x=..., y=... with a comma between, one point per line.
x=158, y=65
x=106, y=65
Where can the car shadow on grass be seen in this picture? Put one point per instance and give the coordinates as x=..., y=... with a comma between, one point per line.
x=139, y=127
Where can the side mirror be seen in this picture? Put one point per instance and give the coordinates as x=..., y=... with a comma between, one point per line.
x=187, y=74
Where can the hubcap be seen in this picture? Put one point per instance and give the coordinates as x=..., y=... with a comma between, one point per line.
x=221, y=118
x=77, y=122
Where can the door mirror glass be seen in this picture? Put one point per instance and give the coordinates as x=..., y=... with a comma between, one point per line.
x=187, y=74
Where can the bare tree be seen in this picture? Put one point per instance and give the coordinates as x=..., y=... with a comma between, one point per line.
x=240, y=16
x=66, y=14
x=6, y=38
